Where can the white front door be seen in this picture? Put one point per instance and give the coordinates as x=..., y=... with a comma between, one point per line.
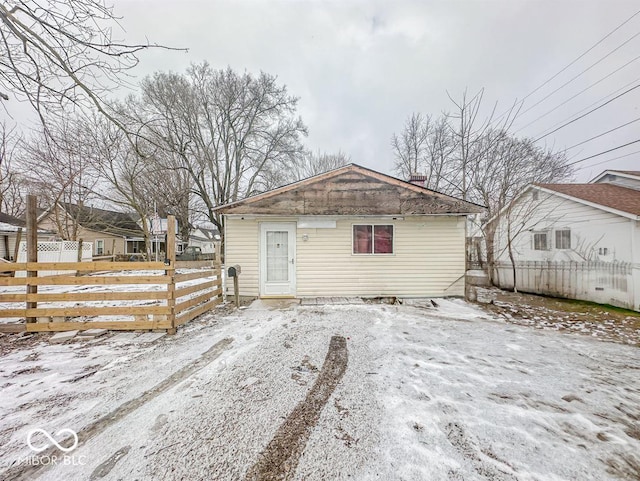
x=277, y=259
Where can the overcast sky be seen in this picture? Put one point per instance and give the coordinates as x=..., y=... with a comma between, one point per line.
x=361, y=67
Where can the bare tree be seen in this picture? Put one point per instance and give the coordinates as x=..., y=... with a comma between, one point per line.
x=170, y=189
x=410, y=147
x=440, y=149
x=62, y=52
x=12, y=184
x=232, y=133
x=311, y=164
x=57, y=166
x=428, y=147
x=125, y=176
x=475, y=158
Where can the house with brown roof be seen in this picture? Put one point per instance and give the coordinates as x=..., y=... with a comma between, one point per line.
x=348, y=232
x=579, y=241
x=110, y=232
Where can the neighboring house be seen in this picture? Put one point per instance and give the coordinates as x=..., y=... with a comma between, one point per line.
x=10, y=228
x=110, y=232
x=579, y=241
x=348, y=232
x=12, y=231
x=158, y=228
x=205, y=238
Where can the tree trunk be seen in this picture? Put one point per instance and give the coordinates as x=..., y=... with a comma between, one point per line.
x=513, y=264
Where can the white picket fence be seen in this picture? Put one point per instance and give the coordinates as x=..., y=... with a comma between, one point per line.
x=596, y=281
x=62, y=251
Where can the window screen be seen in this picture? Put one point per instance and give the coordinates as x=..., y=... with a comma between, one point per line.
x=540, y=241
x=563, y=239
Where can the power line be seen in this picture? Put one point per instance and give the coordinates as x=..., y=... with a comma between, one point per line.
x=590, y=105
x=589, y=112
x=575, y=60
x=581, y=92
x=579, y=75
x=604, y=133
x=604, y=152
x=609, y=160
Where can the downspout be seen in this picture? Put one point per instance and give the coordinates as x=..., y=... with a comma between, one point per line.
x=222, y=273
x=635, y=265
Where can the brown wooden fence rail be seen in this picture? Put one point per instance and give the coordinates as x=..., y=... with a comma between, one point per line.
x=174, y=303
x=176, y=298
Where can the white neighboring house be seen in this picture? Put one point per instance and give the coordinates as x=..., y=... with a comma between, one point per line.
x=580, y=241
x=205, y=238
x=12, y=231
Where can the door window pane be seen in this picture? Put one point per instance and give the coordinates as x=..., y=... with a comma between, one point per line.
x=277, y=256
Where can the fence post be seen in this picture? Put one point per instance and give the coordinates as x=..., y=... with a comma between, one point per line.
x=79, y=255
x=217, y=266
x=16, y=248
x=32, y=249
x=171, y=271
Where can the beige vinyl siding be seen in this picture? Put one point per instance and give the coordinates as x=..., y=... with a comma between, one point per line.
x=241, y=247
x=110, y=241
x=428, y=258
x=110, y=247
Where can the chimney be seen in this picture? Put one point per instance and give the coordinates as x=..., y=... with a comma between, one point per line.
x=418, y=179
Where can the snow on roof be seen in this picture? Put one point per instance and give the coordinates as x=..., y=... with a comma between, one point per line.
x=4, y=227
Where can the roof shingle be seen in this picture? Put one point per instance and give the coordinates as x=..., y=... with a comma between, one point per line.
x=607, y=195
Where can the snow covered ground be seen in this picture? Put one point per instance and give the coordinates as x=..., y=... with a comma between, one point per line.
x=445, y=393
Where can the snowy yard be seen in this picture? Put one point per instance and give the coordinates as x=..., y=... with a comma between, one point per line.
x=445, y=393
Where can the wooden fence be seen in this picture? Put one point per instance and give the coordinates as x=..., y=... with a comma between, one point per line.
x=157, y=295
x=165, y=296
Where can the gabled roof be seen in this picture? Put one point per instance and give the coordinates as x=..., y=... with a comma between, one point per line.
x=210, y=234
x=630, y=174
x=11, y=220
x=351, y=190
x=101, y=220
x=609, y=196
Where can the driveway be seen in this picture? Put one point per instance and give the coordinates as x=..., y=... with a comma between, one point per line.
x=408, y=392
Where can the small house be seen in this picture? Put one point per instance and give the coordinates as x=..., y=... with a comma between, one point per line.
x=11, y=229
x=580, y=241
x=110, y=232
x=348, y=232
x=205, y=238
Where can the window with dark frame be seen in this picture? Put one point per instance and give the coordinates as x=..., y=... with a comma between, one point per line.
x=372, y=239
x=99, y=247
x=563, y=239
x=540, y=241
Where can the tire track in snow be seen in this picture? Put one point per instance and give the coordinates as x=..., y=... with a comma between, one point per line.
x=29, y=472
x=280, y=458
